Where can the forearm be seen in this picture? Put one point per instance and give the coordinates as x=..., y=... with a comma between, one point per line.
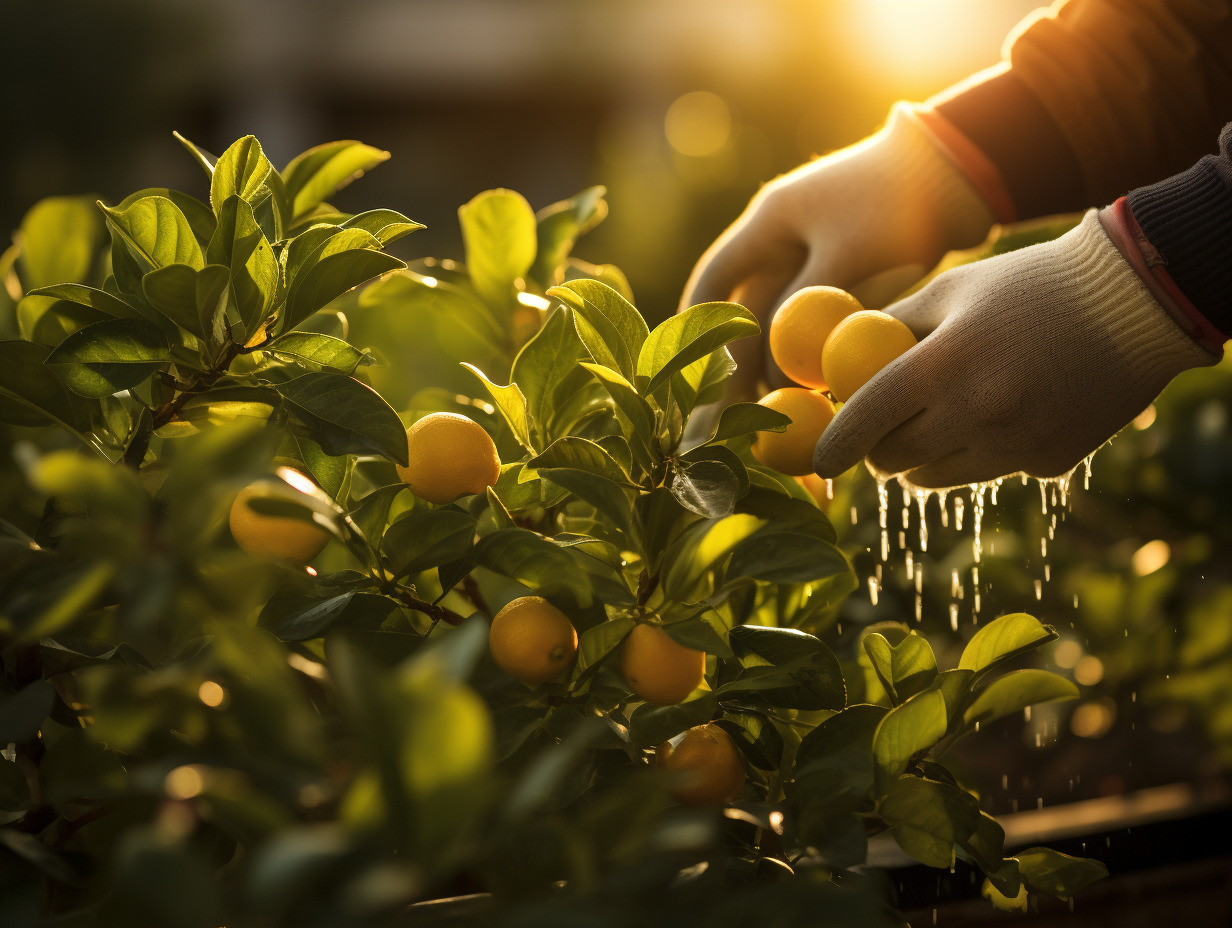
x=1097, y=97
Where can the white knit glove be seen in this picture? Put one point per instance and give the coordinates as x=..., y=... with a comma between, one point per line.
x=1026, y=362
x=875, y=216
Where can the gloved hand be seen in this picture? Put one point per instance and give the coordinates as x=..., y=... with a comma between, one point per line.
x=875, y=216
x=1026, y=362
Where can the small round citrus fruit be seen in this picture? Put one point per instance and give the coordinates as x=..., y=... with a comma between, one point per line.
x=822, y=494
x=449, y=456
x=713, y=772
x=274, y=537
x=800, y=328
x=791, y=451
x=657, y=668
x=532, y=640
x=860, y=346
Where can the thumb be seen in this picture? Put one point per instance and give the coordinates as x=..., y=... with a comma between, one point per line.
x=892, y=397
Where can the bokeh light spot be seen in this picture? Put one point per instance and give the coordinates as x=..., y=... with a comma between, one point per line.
x=1089, y=670
x=1150, y=557
x=1067, y=653
x=1091, y=720
x=184, y=782
x=211, y=694
x=698, y=124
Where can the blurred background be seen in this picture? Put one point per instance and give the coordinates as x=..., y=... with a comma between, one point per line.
x=681, y=109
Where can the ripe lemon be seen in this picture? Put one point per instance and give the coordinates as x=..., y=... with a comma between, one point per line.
x=532, y=640
x=817, y=488
x=450, y=456
x=791, y=451
x=860, y=346
x=707, y=756
x=800, y=328
x=657, y=668
x=274, y=537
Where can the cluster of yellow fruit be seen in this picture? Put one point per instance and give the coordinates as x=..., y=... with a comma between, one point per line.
x=448, y=455
x=822, y=338
x=534, y=642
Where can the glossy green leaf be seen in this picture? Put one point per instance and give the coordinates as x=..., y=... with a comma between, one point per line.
x=155, y=233
x=534, y=562
x=543, y=364
x=689, y=336
x=200, y=155
x=904, y=669
x=708, y=488
x=296, y=617
x=315, y=175
x=196, y=301
x=425, y=538
x=815, y=677
x=1014, y=692
x=612, y=330
x=386, y=224
x=331, y=277
x=906, y=731
x=315, y=350
x=240, y=245
x=597, y=643
x=346, y=416
x=498, y=231
x=1057, y=874
x=559, y=227
x=200, y=217
x=240, y=171
x=511, y=404
x=744, y=418
x=90, y=297
x=928, y=818
x=1004, y=638
x=113, y=341
x=785, y=556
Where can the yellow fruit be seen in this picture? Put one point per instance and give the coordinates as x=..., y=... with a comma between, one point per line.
x=274, y=537
x=860, y=346
x=450, y=456
x=657, y=668
x=817, y=489
x=532, y=640
x=711, y=764
x=791, y=451
x=800, y=328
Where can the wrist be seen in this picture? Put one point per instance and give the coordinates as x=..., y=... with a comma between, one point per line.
x=1118, y=222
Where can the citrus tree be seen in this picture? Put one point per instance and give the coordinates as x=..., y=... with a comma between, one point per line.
x=277, y=653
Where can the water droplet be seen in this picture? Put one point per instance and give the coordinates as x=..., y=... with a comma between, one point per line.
x=955, y=584
x=954, y=617
x=1039, y=589
x=830, y=489
x=921, y=500
x=909, y=561
x=1048, y=572
x=958, y=513
x=854, y=519
x=872, y=590
x=945, y=514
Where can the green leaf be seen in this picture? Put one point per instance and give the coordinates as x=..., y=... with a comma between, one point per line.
x=745, y=418
x=904, y=669
x=701, y=381
x=155, y=233
x=113, y=341
x=559, y=227
x=1014, y=692
x=907, y=730
x=585, y=469
x=953, y=685
x=785, y=556
x=928, y=818
x=200, y=217
x=425, y=538
x=315, y=175
x=30, y=392
x=200, y=155
x=498, y=231
x=314, y=350
x=240, y=245
x=986, y=846
x=371, y=514
x=297, y=617
x=534, y=562
x=636, y=411
x=386, y=224
x=701, y=635
x=596, y=643
x=1002, y=639
x=651, y=725
x=816, y=679
x=708, y=488
x=91, y=297
x=544, y=362
x=1057, y=874
x=612, y=330
x=697, y=549
x=756, y=737
x=240, y=171
x=839, y=751
x=59, y=239
x=48, y=321
x=331, y=277
x=511, y=404
x=689, y=336
x=196, y=301
x=346, y=416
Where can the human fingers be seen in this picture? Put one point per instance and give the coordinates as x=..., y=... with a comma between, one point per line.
x=894, y=395
x=881, y=289
x=926, y=437
x=959, y=468
x=751, y=246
